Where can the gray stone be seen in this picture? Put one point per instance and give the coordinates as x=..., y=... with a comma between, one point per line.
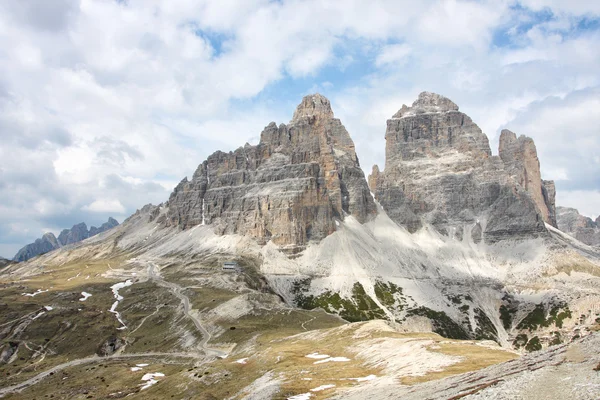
x=290, y=188
x=580, y=227
x=49, y=242
x=439, y=170
x=521, y=162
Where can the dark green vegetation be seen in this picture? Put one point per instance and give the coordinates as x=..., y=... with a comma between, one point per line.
x=540, y=317
x=557, y=339
x=506, y=316
x=520, y=341
x=533, y=344
x=359, y=307
x=390, y=295
x=485, y=328
x=442, y=324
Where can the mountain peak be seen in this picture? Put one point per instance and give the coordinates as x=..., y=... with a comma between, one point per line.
x=313, y=105
x=427, y=102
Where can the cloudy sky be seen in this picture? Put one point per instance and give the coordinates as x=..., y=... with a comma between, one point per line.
x=105, y=105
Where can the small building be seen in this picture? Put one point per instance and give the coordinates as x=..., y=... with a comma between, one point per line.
x=231, y=266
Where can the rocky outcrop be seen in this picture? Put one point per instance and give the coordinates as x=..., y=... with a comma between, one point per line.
x=439, y=170
x=111, y=223
x=580, y=227
x=521, y=162
x=290, y=188
x=49, y=242
x=76, y=234
x=4, y=262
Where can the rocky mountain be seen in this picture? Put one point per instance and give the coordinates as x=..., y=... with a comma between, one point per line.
x=4, y=262
x=439, y=170
x=290, y=189
x=453, y=267
x=49, y=242
x=582, y=228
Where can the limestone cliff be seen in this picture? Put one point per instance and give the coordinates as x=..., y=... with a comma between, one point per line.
x=580, y=227
x=290, y=188
x=521, y=162
x=439, y=170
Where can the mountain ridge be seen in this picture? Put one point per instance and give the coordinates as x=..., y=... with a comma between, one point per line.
x=49, y=242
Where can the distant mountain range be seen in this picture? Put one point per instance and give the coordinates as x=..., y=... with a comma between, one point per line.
x=49, y=242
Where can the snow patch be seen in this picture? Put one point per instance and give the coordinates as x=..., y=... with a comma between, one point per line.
x=115, y=289
x=317, y=356
x=332, y=359
x=34, y=293
x=49, y=308
x=241, y=361
x=39, y=315
x=134, y=369
x=149, y=379
x=364, y=379
x=85, y=296
x=117, y=286
x=322, y=387
x=303, y=396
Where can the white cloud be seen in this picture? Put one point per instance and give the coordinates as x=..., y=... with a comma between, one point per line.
x=105, y=206
x=394, y=53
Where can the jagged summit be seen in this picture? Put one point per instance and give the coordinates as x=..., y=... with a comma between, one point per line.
x=315, y=105
x=49, y=242
x=439, y=170
x=427, y=102
x=289, y=189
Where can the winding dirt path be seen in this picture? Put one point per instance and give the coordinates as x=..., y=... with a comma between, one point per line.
x=177, y=291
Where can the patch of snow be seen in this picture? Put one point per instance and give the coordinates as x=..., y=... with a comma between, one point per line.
x=117, y=286
x=364, y=379
x=303, y=396
x=141, y=365
x=115, y=289
x=49, y=308
x=85, y=295
x=149, y=379
x=39, y=315
x=241, y=360
x=317, y=356
x=34, y=293
x=322, y=387
x=334, y=359
x=113, y=310
x=134, y=369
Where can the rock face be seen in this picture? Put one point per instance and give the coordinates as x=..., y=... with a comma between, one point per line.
x=49, y=242
x=111, y=223
x=290, y=188
x=581, y=228
x=439, y=170
x=4, y=262
x=521, y=162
